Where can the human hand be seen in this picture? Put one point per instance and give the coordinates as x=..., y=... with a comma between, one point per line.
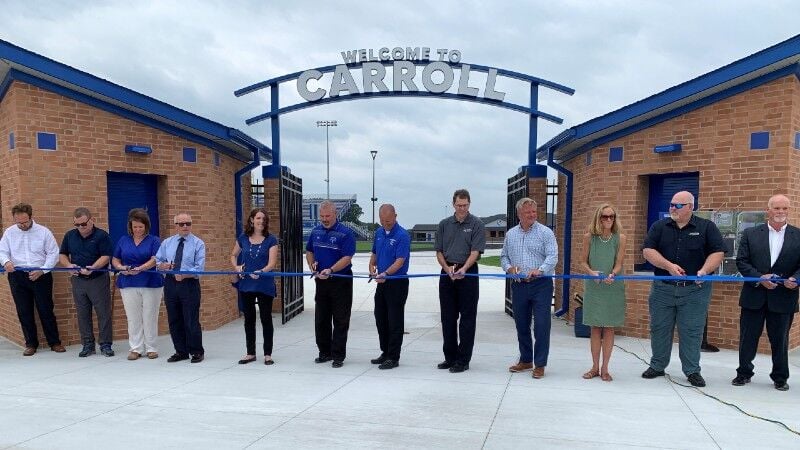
x=459, y=274
x=676, y=270
x=324, y=274
x=33, y=276
x=790, y=283
x=765, y=281
x=9, y=267
x=381, y=277
x=609, y=279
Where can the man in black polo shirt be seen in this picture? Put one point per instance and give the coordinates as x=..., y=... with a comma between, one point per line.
x=682, y=245
x=87, y=248
x=460, y=240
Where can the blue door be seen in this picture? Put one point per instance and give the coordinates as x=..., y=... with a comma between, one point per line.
x=663, y=187
x=125, y=192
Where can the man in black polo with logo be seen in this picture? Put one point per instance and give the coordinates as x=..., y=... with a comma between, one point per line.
x=681, y=245
x=87, y=249
x=460, y=240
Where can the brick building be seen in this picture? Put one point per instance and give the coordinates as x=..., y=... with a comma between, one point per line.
x=71, y=139
x=731, y=136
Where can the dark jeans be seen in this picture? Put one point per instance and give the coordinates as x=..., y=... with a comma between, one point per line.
x=182, y=299
x=39, y=295
x=458, y=301
x=94, y=293
x=390, y=304
x=334, y=301
x=751, y=325
x=533, y=298
x=249, y=300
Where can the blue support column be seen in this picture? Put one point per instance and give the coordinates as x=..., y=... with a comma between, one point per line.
x=533, y=125
x=274, y=170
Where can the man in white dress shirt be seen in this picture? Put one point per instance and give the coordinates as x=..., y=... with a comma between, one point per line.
x=26, y=244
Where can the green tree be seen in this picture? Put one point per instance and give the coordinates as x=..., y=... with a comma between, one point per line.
x=353, y=214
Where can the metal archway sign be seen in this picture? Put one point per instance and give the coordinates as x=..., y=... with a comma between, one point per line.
x=437, y=78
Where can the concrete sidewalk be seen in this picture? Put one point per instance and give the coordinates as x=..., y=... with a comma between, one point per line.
x=60, y=401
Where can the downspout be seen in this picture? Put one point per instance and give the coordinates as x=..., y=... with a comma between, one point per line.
x=567, y=225
x=237, y=188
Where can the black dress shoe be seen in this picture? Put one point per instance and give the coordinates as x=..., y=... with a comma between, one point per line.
x=458, y=367
x=378, y=360
x=740, y=380
x=708, y=348
x=696, y=380
x=245, y=360
x=388, y=364
x=322, y=359
x=651, y=373
x=178, y=357
x=198, y=357
x=444, y=365
x=337, y=364
x=781, y=386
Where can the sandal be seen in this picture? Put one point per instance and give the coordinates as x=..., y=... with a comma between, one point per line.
x=591, y=374
x=606, y=377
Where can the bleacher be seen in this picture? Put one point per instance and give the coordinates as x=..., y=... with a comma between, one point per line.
x=343, y=203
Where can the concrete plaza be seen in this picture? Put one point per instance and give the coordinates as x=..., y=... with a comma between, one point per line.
x=60, y=401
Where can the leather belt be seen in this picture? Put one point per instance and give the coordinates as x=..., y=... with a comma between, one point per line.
x=678, y=283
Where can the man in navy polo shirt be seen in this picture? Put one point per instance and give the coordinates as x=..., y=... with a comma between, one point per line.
x=329, y=251
x=87, y=249
x=391, y=250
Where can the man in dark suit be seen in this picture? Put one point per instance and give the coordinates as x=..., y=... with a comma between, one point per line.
x=768, y=251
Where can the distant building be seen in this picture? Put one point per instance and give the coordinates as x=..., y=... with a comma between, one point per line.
x=343, y=203
x=495, y=230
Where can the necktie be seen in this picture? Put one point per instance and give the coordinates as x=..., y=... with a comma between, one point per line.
x=178, y=255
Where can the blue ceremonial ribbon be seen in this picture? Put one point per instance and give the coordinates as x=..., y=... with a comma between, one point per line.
x=709, y=278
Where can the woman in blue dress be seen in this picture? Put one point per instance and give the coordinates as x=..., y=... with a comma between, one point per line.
x=140, y=289
x=256, y=251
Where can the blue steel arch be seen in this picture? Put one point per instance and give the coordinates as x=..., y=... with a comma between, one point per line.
x=276, y=111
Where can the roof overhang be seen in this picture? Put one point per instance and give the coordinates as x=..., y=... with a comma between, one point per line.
x=762, y=67
x=18, y=64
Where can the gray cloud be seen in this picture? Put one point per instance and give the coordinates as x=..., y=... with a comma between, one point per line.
x=195, y=54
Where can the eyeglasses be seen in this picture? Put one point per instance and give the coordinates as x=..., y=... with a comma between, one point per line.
x=82, y=224
x=183, y=224
x=678, y=205
x=605, y=217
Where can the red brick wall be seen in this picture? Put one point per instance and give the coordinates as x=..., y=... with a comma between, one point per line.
x=716, y=143
x=91, y=142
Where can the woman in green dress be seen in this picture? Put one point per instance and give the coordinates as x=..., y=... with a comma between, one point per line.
x=603, y=298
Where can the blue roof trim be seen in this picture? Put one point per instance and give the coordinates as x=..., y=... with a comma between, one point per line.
x=364, y=95
x=778, y=52
x=5, y=85
x=95, y=84
x=754, y=62
x=75, y=77
x=477, y=67
x=117, y=110
x=766, y=78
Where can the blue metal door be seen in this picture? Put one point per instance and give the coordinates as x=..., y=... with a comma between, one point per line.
x=663, y=187
x=125, y=192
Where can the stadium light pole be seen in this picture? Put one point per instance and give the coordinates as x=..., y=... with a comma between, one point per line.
x=374, y=153
x=327, y=124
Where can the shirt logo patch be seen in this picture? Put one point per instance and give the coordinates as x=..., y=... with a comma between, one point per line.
x=467, y=230
x=333, y=239
x=694, y=234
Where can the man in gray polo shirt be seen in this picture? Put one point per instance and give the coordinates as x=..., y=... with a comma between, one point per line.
x=460, y=240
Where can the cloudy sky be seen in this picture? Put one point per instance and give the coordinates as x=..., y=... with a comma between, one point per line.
x=195, y=54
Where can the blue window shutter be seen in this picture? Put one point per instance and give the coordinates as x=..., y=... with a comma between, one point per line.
x=46, y=141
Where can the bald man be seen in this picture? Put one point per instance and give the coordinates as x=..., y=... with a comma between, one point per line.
x=680, y=245
x=391, y=250
x=766, y=251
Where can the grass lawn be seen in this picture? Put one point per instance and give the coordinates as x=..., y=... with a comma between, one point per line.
x=490, y=261
x=366, y=246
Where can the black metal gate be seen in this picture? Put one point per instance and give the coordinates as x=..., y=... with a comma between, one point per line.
x=291, y=207
x=517, y=189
